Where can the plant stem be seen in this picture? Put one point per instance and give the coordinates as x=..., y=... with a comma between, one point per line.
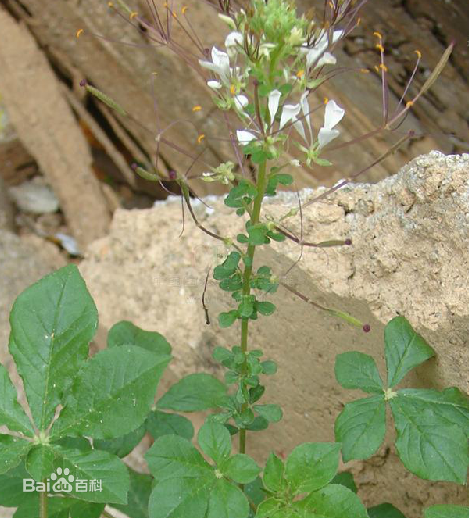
x=256, y=211
x=43, y=502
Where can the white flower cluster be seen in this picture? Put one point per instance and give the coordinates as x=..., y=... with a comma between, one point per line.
x=297, y=115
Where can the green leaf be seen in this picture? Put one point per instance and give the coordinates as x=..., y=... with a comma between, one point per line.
x=11, y=412
x=138, y=496
x=214, y=440
x=172, y=457
x=311, y=466
x=194, y=393
x=446, y=511
x=269, y=367
x=228, y=319
x=227, y=501
x=221, y=354
x=356, y=370
x=246, y=308
x=272, y=413
x=92, y=471
x=427, y=445
x=265, y=308
x=161, y=423
x=257, y=236
x=52, y=323
x=274, y=474
x=59, y=508
x=181, y=498
x=361, y=427
x=112, y=394
x=255, y=492
x=258, y=424
x=271, y=507
x=11, y=487
x=404, y=349
x=12, y=451
x=240, y=468
x=345, y=479
x=450, y=405
x=121, y=446
x=126, y=333
x=40, y=462
x=334, y=501
x=385, y=510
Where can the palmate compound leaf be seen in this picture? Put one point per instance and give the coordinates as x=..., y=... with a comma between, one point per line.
x=188, y=485
x=354, y=370
x=311, y=466
x=194, y=393
x=429, y=443
x=446, y=511
x=11, y=412
x=361, y=427
x=52, y=323
x=404, y=349
x=112, y=394
x=104, y=477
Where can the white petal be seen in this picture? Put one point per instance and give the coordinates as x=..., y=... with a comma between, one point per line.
x=221, y=61
x=244, y=137
x=314, y=54
x=233, y=38
x=333, y=115
x=241, y=101
x=289, y=113
x=300, y=129
x=326, y=135
x=305, y=109
x=336, y=36
x=214, y=84
x=274, y=99
x=327, y=59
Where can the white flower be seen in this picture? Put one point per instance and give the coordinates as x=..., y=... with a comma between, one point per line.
x=290, y=113
x=215, y=85
x=241, y=101
x=220, y=64
x=332, y=116
x=233, y=38
x=326, y=59
x=314, y=55
x=244, y=137
x=274, y=99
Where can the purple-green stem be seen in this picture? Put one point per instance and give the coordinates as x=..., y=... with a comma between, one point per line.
x=256, y=211
x=43, y=502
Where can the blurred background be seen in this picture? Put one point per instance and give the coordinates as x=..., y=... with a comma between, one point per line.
x=65, y=158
